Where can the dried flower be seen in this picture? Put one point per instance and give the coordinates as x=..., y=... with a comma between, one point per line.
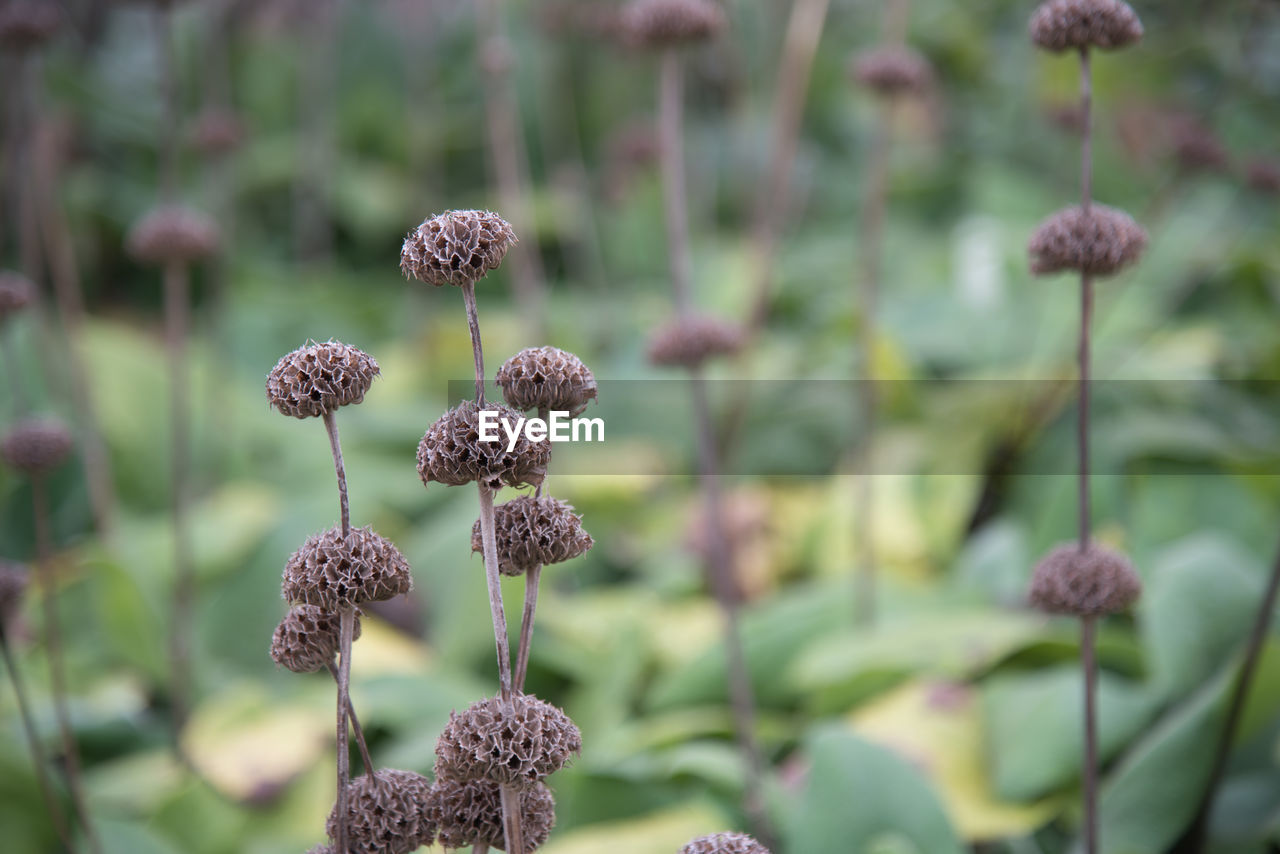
x=13, y=586
x=333, y=571
x=307, y=639
x=16, y=293
x=670, y=23
x=1264, y=176
x=1100, y=243
x=517, y=747
x=173, y=234
x=547, y=378
x=1087, y=583
x=1197, y=148
x=691, y=340
x=451, y=452
x=892, y=71
x=217, y=131
x=318, y=378
x=471, y=813
x=25, y=24
x=534, y=532
x=1059, y=25
x=390, y=813
x=724, y=843
x=36, y=445
x=456, y=247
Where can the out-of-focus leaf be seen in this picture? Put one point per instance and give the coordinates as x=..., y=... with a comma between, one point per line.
x=658, y=833
x=134, y=837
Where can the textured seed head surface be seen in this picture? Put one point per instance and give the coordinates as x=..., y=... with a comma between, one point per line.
x=1197, y=148
x=452, y=453
x=331, y=571
x=13, y=586
x=892, y=71
x=390, y=813
x=724, y=843
x=515, y=748
x=1100, y=243
x=36, y=445
x=456, y=247
x=27, y=24
x=1264, y=176
x=318, y=378
x=691, y=340
x=16, y=293
x=307, y=639
x=670, y=23
x=471, y=813
x=534, y=532
x=547, y=378
x=172, y=234
x=1087, y=583
x=1059, y=25
x=217, y=131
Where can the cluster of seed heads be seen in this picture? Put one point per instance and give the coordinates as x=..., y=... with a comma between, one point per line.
x=307, y=639
x=690, y=340
x=670, y=23
x=452, y=453
x=13, y=586
x=547, y=378
x=515, y=746
x=534, y=531
x=892, y=71
x=36, y=445
x=456, y=247
x=16, y=293
x=1100, y=242
x=391, y=812
x=27, y=24
x=332, y=571
x=1059, y=25
x=724, y=843
x=470, y=813
x=173, y=234
x=317, y=379
x=1086, y=583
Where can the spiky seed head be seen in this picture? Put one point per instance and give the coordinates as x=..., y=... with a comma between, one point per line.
x=1059, y=25
x=307, y=638
x=724, y=843
x=1264, y=176
x=456, y=247
x=332, y=571
x=892, y=71
x=16, y=293
x=534, y=532
x=1197, y=148
x=451, y=451
x=36, y=445
x=318, y=378
x=1100, y=243
x=662, y=24
x=391, y=812
x=13, y=587
x=26, y=24
x=513, y=748
x=217, y=131
x=547, y=378
x=691, y=340
x=1087, y=583
x=470, y=813
x=172, y=234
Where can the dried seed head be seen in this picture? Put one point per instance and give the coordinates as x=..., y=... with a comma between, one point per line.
x=36, y=445
x=451, y=452
x=1264, y=176
x=172, y=234
x=724, y=843
x=514, y=748
x=1059, y=25
x=1100, y=243
x=534, y=532
x=391, y=813
x=1087, y=583
x=318, y=378
x=25, y=25
x=670, y=23
x=13, y=586
x=547, y=378
x=1197, y=148
x=892, y=71
x=217, y=131
x=307, y=638
x=456, y=247
x=471, y=813
x=16, y=293
x=689, y=341
x=332, y=571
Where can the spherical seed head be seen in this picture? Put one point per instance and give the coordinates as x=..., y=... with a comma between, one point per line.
x=391, y=812
x=547, y=378
x=1264, y=176
x=471, y=813
x=332, y=571
x=534, y=532
x=217, y=131
x=1059, y=25
x=1087, y=583
x=1197, y=148
x=13, y=587
x=724, y=843
x=16, y=293
x=451, y=452
x=690, y=341
x=670, y=23
x=36, y=445
x=307, y=638
x=318, y=378
x=514, y=748
x=25, y=24
x=456, y=247
x=892, y=71
x=1100, y=243
x=172, y=234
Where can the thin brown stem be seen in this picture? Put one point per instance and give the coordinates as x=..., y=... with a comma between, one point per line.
x=511, y=828
x=480, y=848
x=335, y=446
x=365, y=757
x=1086, y=301
x=168, y=79
x=1088, y=661
x=477, y=349
x=176, y=309
x=347, y=629
x=671, y=157
x=312, y=223
x=489, y=543
x=531, y=580
x=1086, y=142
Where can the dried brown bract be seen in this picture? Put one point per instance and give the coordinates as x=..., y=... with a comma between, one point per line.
x=670, y=23
x=217, y=131
x=332, y=571
x=1197, y=148
x=318, y=378
x=724, y=843
x=173, y=234
x=892, y=71
x=547, y=378
x=307, y=639
x=16, y=293
x=391, y=813
x=1087, y=583
x=25, y=25
x=36, y=445
x=456, y=247
x=534, y=532
x=13, y=587
x=1100, y=243
x=691, y=340
x=1059, y=25
x=514, y=748
x=471, y=813
x=451, y=452
x=1264, y=176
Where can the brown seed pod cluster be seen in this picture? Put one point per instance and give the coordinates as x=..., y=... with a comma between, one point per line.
x=452, y=453
x=173, y=234
x=1087, y=583
x=13, y=587
x=534, y=532
x=26, y=24
x=1197, y=148
x=670, y=23
x=1059, y=25
x=307, y=639
x=471, y=813
x=892, y=71
x=547, y=378
x=456, y=247
x=1100, y=243
x=689, y=341
x=1264, y=176
x=724, y=843
x=332, y=571
x=318, y=378
x=217, y=131
x=513, y=748
x=36, y=445
x=16, y=293
x=390, y=813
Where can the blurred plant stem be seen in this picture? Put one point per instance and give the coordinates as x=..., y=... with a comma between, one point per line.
x=317, y=94
x=176, y=287
x=346, y=631
x=365, y=757
x=532, y=579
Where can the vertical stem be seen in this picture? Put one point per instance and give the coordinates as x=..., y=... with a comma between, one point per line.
x=365, y=757
x=1086, y=298
x=670, y=135
x=176, y=285
x=477, y=350
x=1086, y=146
x=13, y=372
x=532, y=577
x=490, y=549
x=347, y=629
x=25, y=108
x=167, y=70
x=331, y=427
x=313, y=227
x=511, y=828
x=1090, y=666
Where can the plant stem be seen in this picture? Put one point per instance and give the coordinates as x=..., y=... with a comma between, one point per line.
x=511, y=820
x=167, y=71
x=347, y=627
x=1086, y=298
x=531, y=581
x=312, y=220
x=477, y=349
x=176, y=309
x=480, y=848
x=13, y=372
x=331, y=427
x=671, y=158
x=490, y=550
x=1088, y=661
x=365, y=757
